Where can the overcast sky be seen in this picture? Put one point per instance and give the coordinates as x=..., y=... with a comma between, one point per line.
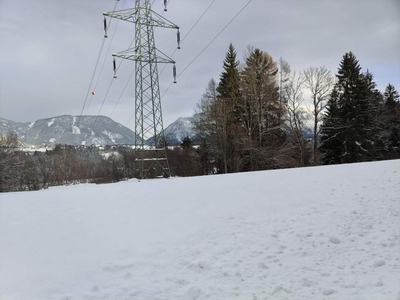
x=48, y=49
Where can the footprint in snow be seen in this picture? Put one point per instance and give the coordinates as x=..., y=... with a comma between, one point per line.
x=379, y=263
x=327, y=291
x=262, y=266
x=334, y=240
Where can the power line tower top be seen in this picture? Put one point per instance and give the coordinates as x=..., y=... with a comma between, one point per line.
x=150, y=160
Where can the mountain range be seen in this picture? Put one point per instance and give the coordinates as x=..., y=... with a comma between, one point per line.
x=95, y=130
x=88, y=130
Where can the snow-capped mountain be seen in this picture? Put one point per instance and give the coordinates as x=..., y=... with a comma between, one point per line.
x=95, y=130
x=17, y=127
x=177, y=131
x=80, y=130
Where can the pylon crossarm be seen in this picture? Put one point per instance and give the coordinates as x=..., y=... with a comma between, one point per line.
x=127, y=54
x=129, y=15
x=164, y=58
x=132, y=55
x=125, y=15
x=160, y=21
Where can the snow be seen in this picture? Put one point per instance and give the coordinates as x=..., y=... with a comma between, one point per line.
x=52, y=140
x=112, y=136
x=50, y=122
x=76, y=130
x=31, y=124
x=107, y=155
x=314, y=233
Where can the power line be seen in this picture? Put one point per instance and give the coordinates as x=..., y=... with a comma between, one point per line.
x=201, y=17
x=123, y=91
x=191, y=29
x=115, y=6
x=108, y=90
x=105, y=57
x=209, y=44
x=94, y=73
x=112, y=81
x=91, y=81
x=90, y=85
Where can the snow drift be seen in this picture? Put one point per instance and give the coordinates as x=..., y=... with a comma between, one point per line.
x=314, y=233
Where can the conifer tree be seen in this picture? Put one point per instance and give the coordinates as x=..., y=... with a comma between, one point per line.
x=392, y=99
x=225, y=111
x=259, y=106
x=228, y=87
x=187, y=143
x=348, y=126
x=261, y=111
x=391, y=120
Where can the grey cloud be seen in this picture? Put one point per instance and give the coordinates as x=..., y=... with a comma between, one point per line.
x=48, y=49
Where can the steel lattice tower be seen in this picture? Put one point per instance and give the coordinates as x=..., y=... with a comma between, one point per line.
x=150, y=160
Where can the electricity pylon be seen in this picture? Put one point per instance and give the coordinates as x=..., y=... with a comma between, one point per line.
x=150, y=160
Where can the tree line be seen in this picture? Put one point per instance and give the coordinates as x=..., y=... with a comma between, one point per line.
x=65, y=164
x=21, y=171
x=253, y=118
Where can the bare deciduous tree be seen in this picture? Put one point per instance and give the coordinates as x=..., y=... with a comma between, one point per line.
x=211, y=123
x=319, y=82
x=284, y=76
x=297, y=115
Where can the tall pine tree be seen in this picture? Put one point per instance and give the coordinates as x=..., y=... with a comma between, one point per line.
x=348, y=129
x=391, y=121
x=259, y=106
x=228, y=87
x=225, y=112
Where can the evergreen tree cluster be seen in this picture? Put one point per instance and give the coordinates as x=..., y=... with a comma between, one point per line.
x=360, y=124
x=241, y=120
x=254, y=118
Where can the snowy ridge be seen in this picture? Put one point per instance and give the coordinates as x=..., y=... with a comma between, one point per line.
x=48, y=124
x=82, y=130
x=313, y=233
x=177, y=131
x=7, y=126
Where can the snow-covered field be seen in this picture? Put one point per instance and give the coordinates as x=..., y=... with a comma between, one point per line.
x=315, y=233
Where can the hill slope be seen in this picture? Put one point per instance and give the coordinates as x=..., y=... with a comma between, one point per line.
x=17, y=127
x=80, y=130
x=315, y=233
x=177, y=131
